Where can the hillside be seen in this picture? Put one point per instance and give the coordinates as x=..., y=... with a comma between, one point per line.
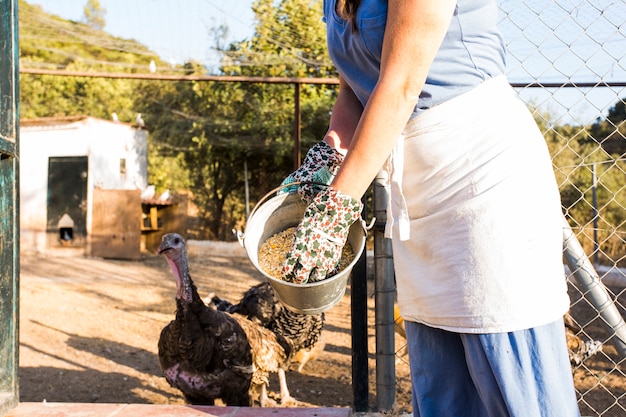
x=48, y=41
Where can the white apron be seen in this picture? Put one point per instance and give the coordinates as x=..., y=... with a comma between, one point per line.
x=476, y=217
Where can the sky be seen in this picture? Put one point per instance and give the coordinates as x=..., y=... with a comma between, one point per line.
x=177, y=30
x=553, y=41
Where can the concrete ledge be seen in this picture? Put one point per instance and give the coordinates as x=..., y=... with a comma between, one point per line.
x=215, y=248
x=153, y=410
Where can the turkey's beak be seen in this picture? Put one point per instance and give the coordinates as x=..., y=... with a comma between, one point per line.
x=163, y=248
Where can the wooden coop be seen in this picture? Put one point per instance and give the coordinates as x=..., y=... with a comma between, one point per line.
x=160, y=216
x=81, y=181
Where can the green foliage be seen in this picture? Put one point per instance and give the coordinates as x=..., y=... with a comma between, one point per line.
x=221, y=129
x=214, y=129
x=204, y=135
x=611, y=132
x=46, y=95
x=584, y=168
x=171, y=174
x=49, y=42
x=289, y=41
x=94, y=14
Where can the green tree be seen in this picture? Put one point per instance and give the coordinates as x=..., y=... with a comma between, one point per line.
x=577, y=153
x=214, y=129
x=217, y=129
x=611, y=132
x=46, y=95
x=289, y=41
x=202, y=135
x=94, y=14
x=49, y=42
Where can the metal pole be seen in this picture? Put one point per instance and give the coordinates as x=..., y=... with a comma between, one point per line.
x=594, y=203
x=297, y=141
x=593, y=288
x=247, y=187
x=385, y=298
x=9, y=206
x=358, y=310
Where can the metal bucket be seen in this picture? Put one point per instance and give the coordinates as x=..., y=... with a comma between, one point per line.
x=278, y=214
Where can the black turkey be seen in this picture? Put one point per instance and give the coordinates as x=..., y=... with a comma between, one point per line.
x=209, y=354
x=260, y=304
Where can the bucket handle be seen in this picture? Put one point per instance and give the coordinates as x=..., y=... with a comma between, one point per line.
x=280, y=187
x=240, y=235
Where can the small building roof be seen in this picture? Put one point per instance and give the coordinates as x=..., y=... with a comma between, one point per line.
x=63, y=120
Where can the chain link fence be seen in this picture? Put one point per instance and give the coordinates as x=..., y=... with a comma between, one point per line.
x=567, y=60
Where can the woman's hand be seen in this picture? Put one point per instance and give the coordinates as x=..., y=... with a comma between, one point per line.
x=321, y=236
x=320, y=166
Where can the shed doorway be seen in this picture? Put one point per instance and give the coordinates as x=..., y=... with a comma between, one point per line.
x=67, y=201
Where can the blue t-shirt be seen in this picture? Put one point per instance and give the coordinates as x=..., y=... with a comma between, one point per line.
x=472, y=50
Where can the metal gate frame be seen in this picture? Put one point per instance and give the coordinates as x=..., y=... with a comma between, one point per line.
x=9, y=220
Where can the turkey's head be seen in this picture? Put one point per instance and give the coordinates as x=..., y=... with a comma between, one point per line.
x=174, y=249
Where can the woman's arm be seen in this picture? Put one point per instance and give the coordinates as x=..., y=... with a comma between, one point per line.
x=344, y=119
x=413, y=35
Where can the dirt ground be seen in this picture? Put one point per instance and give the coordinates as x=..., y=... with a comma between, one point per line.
x=89, y=329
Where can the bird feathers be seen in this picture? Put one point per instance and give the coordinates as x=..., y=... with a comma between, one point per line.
x=207, y=353
x=260, y=304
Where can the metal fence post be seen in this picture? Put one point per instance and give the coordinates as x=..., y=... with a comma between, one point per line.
x=358, y=310
x=385, y=298
x=592, y=287
x=9, y=205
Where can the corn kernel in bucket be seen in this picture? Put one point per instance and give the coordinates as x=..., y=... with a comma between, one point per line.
x=273, y=252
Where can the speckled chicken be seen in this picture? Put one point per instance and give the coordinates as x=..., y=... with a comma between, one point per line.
x=579, y=350
x=260, y=304
x=209, y=354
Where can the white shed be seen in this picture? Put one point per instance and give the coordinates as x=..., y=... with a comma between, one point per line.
x=65, y=164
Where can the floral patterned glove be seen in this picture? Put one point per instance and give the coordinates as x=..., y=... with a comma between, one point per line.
x=320, y=166
x=320, y=237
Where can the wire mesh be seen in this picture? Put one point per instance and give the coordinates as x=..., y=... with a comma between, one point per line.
x=567, y=60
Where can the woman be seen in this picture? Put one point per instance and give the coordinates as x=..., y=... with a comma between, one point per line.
x=474, y=213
